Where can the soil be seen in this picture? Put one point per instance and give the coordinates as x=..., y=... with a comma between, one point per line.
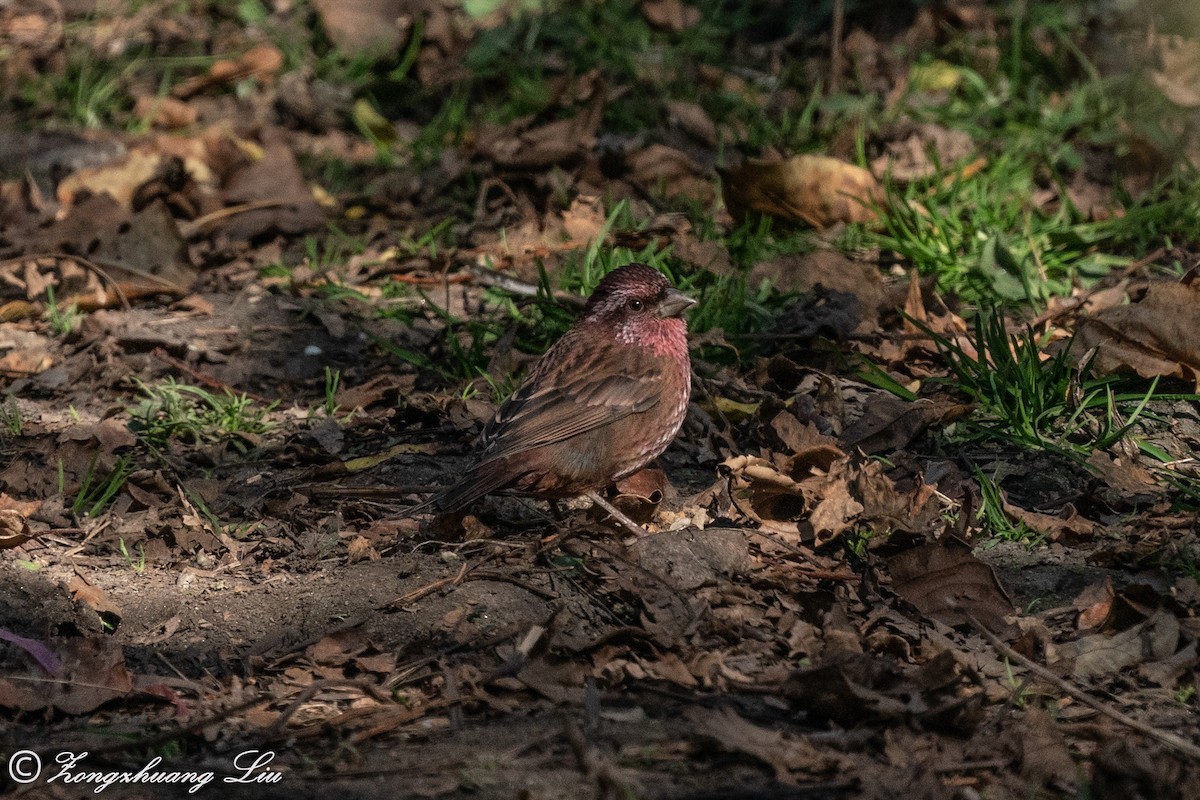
x=394, y=665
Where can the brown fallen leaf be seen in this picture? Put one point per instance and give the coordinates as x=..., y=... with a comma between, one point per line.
x=520, y=147
x=93, y=597
x=889, y=423
x=786, y=755
x=661, y=169
x=640, y=493
x=1158, y=336
x=817, y=190
x=25, y=353
x=165, y=112
x=119, y=179
x=692, y=118
x=1066, y=526
x=671, y=15
x=1153, y=639
x=261, y=63
x=1045, y=759
x=1167, y=672
x=142, y=252
x=375, y=28
x=837, y=509
x=14, y=529
x=93, y=672
x=276, y=177
x=804, y=272
x=945, y=580
x=1094, y=604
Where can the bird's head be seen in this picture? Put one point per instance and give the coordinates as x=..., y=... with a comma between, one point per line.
x=638, y=305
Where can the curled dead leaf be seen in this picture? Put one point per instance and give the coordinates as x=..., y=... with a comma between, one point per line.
x=261, y=63
x=14, y=529
x=817, y=190
x=640, y=493
x=1066, y=526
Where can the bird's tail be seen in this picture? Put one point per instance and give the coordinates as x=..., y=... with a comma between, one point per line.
x=480, y=480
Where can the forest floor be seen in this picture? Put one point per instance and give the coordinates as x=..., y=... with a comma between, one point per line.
x=929, y=531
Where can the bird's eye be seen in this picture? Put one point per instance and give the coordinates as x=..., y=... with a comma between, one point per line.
x=635, y=305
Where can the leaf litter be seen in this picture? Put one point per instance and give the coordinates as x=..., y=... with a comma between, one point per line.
x=817, y=609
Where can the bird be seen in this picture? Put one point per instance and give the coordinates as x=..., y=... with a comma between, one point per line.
x=604, y=401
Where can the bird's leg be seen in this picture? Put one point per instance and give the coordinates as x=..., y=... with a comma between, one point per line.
x=618, y=515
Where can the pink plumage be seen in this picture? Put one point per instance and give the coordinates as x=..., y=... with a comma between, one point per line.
x=604, y=401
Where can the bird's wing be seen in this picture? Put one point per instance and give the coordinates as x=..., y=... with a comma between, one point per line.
x=606, y=384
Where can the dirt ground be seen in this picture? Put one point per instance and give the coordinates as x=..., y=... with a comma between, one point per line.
x=515, y=656
x=263, y=306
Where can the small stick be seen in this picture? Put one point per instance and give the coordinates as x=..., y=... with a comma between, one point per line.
x=835, y=46
x=618, y=515
x=1167, y=738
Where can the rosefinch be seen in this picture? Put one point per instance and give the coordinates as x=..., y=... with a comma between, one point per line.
x=605, y=400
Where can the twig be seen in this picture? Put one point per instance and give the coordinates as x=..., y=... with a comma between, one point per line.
x=430, y=588
x=311, y=690
x=1166, y=738
x=619, y=516
x=188, y=229
x=835, y=46
x=489, y=575
x=514, y=285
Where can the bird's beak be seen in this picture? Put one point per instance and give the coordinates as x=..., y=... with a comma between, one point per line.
x=674, y=304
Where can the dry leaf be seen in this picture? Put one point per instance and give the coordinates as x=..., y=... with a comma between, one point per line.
x=1179, y=78
x=1156, y=336
x=165, y=112
x=693, y=119
x=92, y=596
x=818, y=190
x=785, y=754
x=1067, y=525
x=1153, y=639
x=639, y=494
x=671, y=172
x=1094, y=604
x=946, y=581
x=1045, y=759
x=671, y=15
x=93, y=672
x=520, y=147
x=261, y=63
x=275, y=177
x=14, y=529
x=120, y=180
x=889, y=423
